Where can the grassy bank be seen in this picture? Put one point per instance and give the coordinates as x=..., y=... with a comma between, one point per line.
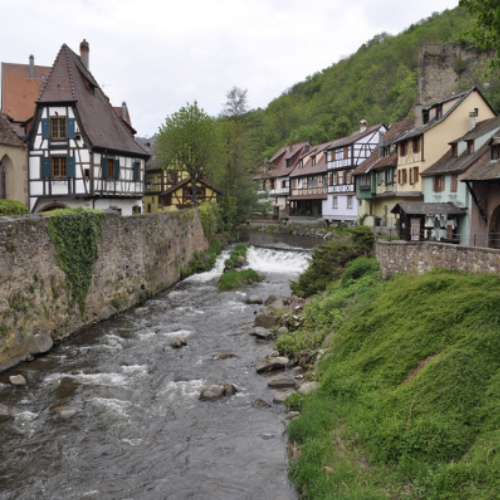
x=409, y=401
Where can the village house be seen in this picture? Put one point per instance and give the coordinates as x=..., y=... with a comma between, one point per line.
x=309, y=184
x=273, y=176
x=81, y=150
x=13, y=163
x=343, y=156
x=168, y=190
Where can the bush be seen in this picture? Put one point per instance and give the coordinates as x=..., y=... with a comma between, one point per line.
x=236, y=279
x=240, y=250
x=358, y=268
x=12, y=207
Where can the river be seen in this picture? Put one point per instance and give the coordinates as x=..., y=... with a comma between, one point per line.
x=141, y=432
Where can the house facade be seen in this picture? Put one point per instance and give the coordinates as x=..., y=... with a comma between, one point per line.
x=343, y=157
x=81, y=153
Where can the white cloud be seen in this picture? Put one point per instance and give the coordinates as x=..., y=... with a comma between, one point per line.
x=157, y=55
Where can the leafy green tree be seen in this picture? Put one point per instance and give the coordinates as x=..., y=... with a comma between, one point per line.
x=190, y=141
x=487, y=30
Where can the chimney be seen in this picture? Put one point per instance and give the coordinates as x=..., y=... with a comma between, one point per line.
x=84, y=53
x=362, y=125
x=32, y=66
x=419, y=121
x=124, y=112
x=473, y=115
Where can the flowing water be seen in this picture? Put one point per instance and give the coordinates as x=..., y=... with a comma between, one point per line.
x=141, y=432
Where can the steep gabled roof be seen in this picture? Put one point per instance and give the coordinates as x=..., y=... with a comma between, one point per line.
x=307, y=168
x=19, y=91
x=354, y=137
x=484, y=168
x=481, y=128
x=7, y=135
x=70, y=82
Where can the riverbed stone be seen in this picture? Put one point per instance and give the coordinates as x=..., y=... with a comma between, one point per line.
x=265, y=318
x=279, y=397
x=139, y=310
x=270, y=363
x=106, y=312
x=308, y=387
x=178, y=341
x=65, y=411
x=219, y=357
x=283, y=382
x=262, y=333
x=7, y=412
x=40, y=343
x=217, y=391
x=260, y=403
x=254, y=299
x=17, y=380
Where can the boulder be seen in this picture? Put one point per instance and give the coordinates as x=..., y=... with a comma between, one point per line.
x=265, y=318
x=218, y=357
x=17, y=380
x=269, y=364
x=40, y=343
x=262, y=333
x=282, y=330
x=260, y=403
x=217, y=391
x=279, y=397
x=308, y=387
x=178, y=341
x=106, y=313
x=254, y=299
x=65, y=411
x=139, y=310
x=283, y=382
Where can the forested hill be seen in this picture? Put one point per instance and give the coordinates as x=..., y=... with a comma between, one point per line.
x=378, y=83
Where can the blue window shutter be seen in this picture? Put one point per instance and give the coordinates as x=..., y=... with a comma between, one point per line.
x=104, y=166
x=117, y=169
x=45, y=128
x=45, y=166
x=135, y=170
x=71, y=128
x=71, y=167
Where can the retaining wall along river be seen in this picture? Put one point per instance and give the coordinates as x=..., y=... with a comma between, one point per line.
x=138, y=256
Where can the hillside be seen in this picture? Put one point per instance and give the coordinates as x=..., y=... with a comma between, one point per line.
x=409, y=400
x=378, y=83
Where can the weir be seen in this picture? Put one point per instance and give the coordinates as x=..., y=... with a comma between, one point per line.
x=140, y=431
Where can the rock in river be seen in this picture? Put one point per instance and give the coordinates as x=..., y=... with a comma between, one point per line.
x=39, y=344
x=282, y=383
x=65, y=411
x=254, y=299
x=178, y=341
x=262, y=333
x=217, y=391
x=271, y=363
x=7, y=412
x=17, y=380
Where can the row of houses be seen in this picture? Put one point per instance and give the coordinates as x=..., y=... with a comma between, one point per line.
x=63, y=144
x=433, y=176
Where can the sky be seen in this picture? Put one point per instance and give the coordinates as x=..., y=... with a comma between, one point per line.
x=159, y=55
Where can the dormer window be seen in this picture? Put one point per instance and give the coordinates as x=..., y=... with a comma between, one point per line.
x=313, y=161
x=470, y=147
x=495, y=152
x=301, y=163
x=58, y=127
x=454, y=150
x=288, y=163
x=425, y=116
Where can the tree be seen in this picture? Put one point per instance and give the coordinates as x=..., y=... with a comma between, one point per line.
x=487, y=30
x=190, y=141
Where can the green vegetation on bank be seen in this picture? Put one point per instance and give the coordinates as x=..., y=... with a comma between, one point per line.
x=233, y=279
x=409, y=399
x=237, y=257
x=75, y=234
x=12, y=207
x=330, y=259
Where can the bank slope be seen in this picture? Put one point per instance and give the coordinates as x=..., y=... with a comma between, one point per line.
x=409, y=404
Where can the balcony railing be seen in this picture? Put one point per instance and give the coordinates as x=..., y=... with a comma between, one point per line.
x=277, y=192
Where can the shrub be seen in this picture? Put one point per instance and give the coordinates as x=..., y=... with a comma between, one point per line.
x=12, y=207
x=236, y=279
x=240, y=250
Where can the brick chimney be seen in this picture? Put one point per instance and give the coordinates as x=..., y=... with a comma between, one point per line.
x=84, y=53
x=124, y=112
x=32, y=66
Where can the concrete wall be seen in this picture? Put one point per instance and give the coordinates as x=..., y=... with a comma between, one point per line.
x=420, y=257
x=137, y=255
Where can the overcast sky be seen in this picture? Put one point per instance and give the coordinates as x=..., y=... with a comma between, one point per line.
x=158, y=55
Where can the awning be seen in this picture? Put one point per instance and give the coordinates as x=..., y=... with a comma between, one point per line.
x=299, y=197
x=428, y=209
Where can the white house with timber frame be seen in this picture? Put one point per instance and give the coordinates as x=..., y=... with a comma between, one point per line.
x=81, y=153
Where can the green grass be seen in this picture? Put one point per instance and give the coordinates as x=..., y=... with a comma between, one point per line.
x=240, y=250
x=409, y=401
x=233, y=279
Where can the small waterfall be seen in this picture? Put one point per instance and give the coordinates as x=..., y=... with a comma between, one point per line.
x=279, y=261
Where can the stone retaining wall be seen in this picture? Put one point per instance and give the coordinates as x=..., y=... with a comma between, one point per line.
x=420, y=257
x=138, y=256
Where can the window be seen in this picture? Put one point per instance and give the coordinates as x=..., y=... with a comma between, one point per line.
x=59, y=166
x=301, y=163
x=349, y=201
x=454, y=150
x=389, y=179
x=288, y=163
x=330, y=179
x=111, y=168
x=470, y=147
x=416, y=145
x=313, y=161
x=346, y=153
x=438, y=183
x=335, y=201
x=454, y=183
x=86, y=173
x=414, y=173
x=495, y=152
x=172, y=177
x=380, y=177
x=58, y=127
x=403, y=148
x=365, y=181
x=402, y=176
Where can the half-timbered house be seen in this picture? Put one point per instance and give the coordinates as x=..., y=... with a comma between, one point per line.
x=343, y=156
x=81, y=153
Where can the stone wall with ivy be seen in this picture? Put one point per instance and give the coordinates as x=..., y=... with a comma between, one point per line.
x=137, y=256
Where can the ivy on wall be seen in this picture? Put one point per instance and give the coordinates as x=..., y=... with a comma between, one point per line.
x=75, y=234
